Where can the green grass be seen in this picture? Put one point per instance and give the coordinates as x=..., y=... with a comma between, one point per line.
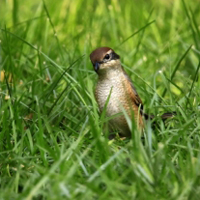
x=52, y=144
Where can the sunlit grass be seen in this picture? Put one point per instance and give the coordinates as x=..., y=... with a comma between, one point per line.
x=52, y=144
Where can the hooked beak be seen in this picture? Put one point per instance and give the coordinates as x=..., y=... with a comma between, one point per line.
x=96, y=66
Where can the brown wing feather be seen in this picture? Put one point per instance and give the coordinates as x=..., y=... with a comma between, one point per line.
x=134, y=95
x=135, y=100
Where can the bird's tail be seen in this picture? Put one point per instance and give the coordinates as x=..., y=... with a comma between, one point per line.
x=168, y=115
x=164, y=117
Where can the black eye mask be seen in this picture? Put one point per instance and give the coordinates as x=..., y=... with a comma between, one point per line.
x=108, y=57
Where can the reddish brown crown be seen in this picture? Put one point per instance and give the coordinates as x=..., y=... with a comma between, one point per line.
x=98, y=54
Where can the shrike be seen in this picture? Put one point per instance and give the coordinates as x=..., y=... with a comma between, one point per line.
x=115, y=88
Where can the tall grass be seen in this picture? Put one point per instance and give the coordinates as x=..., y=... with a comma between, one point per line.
x=52, y=144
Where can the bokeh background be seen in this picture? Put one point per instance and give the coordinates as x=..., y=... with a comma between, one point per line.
x=51, y=137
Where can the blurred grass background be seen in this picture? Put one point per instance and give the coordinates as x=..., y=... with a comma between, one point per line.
x=51, y=141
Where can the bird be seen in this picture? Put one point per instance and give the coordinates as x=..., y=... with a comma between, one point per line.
x=116, y=93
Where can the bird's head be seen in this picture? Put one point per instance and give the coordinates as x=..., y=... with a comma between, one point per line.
x=103, y=59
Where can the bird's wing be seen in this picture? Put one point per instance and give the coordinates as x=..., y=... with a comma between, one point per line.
x=134, y=95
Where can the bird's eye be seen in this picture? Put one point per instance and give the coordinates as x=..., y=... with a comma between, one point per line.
x=107, y=56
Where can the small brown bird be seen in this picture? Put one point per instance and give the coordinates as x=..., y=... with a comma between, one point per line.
x=116, y=89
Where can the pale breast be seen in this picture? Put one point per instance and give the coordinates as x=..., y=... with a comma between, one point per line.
x=112, y=92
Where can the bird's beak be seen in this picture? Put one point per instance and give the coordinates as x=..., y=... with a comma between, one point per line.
x=96, y=66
